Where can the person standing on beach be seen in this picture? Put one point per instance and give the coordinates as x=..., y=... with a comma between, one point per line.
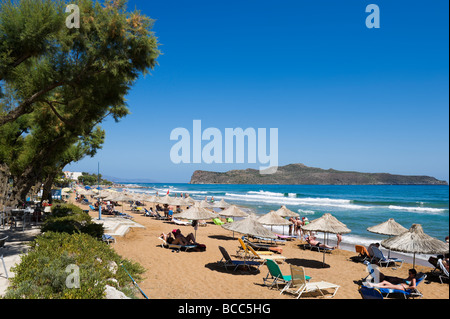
x=339, y=239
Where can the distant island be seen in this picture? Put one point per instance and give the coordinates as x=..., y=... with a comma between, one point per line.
x=299, y=174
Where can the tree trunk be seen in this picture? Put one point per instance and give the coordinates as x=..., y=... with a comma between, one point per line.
x=47, y=188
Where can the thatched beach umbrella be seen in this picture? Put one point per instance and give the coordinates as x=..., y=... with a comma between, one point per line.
x=389, y=227
x=122, y=197
x=415, y=241
x=233, y=211
x=327, y=224
x=205, y=204
x=284, y=212
x=195, y=213
x=250, y=227
x=221, y=204
x=273, y=219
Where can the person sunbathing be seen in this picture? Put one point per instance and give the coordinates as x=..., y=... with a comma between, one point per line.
x=176, y=238
x=180, y=239
x=397, y=283
x=313, y=242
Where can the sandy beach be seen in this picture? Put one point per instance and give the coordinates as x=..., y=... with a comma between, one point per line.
x=196, y=275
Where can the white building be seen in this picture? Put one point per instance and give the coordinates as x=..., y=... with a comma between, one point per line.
x=72, y=175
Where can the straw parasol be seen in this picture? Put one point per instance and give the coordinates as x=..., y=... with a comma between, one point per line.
x=221, y=204
x=284, y=212
x=273, y=219
x=390, y=228
x=233, y=211
x=250, y=227
x=121, y=197
x=415, y=241
x=195, y=213
x=327, y=224
x=205, y=204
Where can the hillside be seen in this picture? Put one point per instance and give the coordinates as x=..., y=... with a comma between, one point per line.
x=303, y=175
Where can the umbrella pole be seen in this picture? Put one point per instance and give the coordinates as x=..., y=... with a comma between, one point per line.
x=323, y=262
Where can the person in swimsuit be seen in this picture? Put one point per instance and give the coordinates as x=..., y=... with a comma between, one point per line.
x=312, y=241
x=399, y=284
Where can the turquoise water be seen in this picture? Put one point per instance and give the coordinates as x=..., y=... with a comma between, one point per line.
x=358, y=207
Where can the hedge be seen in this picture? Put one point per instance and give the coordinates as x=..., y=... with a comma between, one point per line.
x=41, y=274
x=71, y=219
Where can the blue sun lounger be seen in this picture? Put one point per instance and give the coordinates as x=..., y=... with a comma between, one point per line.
x=405, y=293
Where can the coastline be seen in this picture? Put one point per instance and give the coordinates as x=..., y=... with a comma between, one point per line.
x=196, y=275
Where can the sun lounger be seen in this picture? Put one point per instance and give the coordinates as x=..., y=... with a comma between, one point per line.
x=405, y=293
x=370, y=293
x=180, y=222
x=299, y=285
x=276, y=276
x=92, y=207
x=158, y=216
x=444, y=271
x=380, y=259
x=362, y=252
x=176, y=248
x=244, y=252
x=270, y=240
x=108, y=239
x=263, y=258
x=285, y=237
x=319, y=249
x=226, y=261
x=261, y=247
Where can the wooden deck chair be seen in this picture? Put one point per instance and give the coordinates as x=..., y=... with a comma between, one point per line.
x=299, y=285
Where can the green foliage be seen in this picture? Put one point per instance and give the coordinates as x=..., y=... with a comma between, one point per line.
x=92, y=179
x=69, y=218
x=59, y=84
x=41, y=274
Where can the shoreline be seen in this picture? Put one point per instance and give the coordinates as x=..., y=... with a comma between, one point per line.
x=197, y=275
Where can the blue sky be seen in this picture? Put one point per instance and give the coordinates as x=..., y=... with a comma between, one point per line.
x=341, y=95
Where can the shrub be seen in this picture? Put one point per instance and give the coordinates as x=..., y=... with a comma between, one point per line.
x=69, y=218
x=41, y=274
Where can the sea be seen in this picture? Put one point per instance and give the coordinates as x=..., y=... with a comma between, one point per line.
x=357, y=206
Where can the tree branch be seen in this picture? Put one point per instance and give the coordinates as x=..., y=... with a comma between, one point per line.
x=23, y=108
